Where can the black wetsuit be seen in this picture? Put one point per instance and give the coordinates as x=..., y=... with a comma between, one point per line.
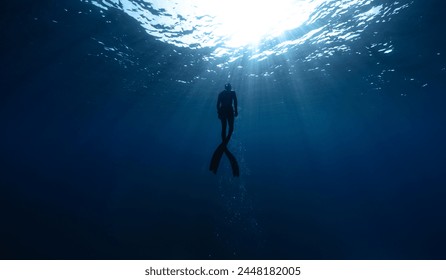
x=226, y=112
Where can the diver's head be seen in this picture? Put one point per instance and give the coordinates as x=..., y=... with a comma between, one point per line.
x=228, y=86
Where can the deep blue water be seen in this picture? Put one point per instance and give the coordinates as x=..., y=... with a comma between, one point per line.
x=107, y=133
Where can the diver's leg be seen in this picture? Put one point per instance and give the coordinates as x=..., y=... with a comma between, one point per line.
x=231, y=127
x=223, y=128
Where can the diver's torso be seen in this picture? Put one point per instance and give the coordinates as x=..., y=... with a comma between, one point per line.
x=226, y=99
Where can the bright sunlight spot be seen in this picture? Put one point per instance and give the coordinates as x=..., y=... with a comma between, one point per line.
x=228, y=23
x=246, y=22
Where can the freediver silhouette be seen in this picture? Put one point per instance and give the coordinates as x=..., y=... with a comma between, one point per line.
x=227, y=110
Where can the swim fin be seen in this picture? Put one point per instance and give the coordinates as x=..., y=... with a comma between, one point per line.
x=216, y=157
x=234, y=163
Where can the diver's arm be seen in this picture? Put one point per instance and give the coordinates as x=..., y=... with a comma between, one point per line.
x=219, y=106
x=235, y=105
x=219, y=103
